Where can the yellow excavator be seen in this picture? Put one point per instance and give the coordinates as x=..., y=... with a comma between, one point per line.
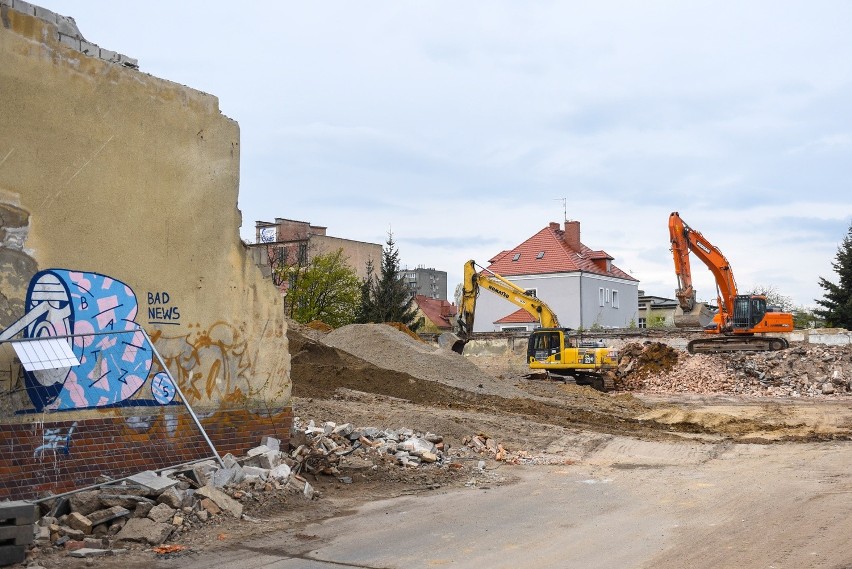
x=551, y=348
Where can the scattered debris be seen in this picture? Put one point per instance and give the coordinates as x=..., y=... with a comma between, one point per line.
x=800, y=371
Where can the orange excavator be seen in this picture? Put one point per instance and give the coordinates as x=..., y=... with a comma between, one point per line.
x=742, y=321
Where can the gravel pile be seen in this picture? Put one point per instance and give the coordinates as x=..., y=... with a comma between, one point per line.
x=800, y=371
x=388, y=348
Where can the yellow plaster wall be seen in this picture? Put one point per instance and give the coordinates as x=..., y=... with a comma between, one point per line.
x=104, y=168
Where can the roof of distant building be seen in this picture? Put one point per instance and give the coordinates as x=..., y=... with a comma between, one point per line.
x=439, y=312
x=554, y=250
x=519, y=316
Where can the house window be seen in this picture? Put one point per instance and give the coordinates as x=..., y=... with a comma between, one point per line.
x=608, y=296
x=533, y=292
x=540, y=255
x=516, y=256
x=601, y=296
x=642, y=323
x=615, y=299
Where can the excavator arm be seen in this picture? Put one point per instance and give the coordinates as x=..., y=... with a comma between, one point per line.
x=684, y=240
x=475, y=280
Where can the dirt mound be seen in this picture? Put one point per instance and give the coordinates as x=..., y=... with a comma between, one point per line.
x=638, y=362
x=390, y=349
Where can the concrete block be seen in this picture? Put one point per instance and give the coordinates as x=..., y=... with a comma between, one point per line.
x=108, y=55
x=280, y=472
x=128, y=61
x=161, y=513
x=24, y=7
x=89, y=48
x=256, y=451
x=210, y=508
x=68, y=26
x=45, y=14
x=107, y=515
x=150, y=480
x=144, y=530
x=142, y=509
x=267, y=460
x=271, y=443
x=79, y=522
x=229, y=460
x=172, y=497
x=68, y=41
x=12, y=554
x=86, y=502
x=262, y=473
x=227, y=476
x=222, y=500
x=18, y=513
x=128, y=501
x=17, y=535
x=87, y=552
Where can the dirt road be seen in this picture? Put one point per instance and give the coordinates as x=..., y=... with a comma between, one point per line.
x=650, y=479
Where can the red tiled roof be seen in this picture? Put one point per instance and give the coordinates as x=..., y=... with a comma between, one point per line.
x=437, y=311
x=519, y=316
x=547, y=252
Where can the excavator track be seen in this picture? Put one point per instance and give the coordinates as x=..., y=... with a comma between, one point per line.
x=736, y=344
x=600, y=381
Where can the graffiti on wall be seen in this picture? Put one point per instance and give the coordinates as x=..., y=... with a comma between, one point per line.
x=210, y=364
x=99, y=313
x=55, y=440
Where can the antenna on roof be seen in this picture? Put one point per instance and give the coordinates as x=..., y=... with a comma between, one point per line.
x=564, y=208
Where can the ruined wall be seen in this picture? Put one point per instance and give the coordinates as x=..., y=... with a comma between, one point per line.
x=118, y=193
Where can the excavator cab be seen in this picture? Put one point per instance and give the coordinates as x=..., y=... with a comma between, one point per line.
x=748, y=311
x=544, y=344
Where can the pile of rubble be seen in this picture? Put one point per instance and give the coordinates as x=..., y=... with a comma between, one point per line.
x=150, y=508
x=320, y=448
x=803, y=370
x=486, y=447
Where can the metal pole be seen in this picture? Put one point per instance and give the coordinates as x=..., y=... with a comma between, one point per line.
x=185, y=402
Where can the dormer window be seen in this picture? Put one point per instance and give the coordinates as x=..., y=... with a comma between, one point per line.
x=540, y=255
x=516, y=256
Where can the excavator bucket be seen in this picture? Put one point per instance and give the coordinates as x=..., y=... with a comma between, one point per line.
x=699, y=317
x=450, y=341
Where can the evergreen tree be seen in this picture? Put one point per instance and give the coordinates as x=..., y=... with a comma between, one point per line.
x=367, y=308
x=836, y=304
x=389, y=299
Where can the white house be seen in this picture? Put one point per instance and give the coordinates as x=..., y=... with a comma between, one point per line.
x=582, y=285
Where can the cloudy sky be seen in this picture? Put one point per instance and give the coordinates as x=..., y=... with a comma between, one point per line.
x=461, y=127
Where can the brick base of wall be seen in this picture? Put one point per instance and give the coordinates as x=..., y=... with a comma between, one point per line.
x=55, y=456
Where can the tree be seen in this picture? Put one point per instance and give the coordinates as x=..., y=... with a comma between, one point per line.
x=388, y=299
x=325, y=289
x=367, y=311
x=773, y=297
x=804, y=317
x=836, y=304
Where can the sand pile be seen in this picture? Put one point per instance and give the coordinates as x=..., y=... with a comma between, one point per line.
x=388, y=348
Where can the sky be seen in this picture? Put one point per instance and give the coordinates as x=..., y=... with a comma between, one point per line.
x=463, y=128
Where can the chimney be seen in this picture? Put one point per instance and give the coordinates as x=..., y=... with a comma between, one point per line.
x=554, y=226
x=572, y=235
